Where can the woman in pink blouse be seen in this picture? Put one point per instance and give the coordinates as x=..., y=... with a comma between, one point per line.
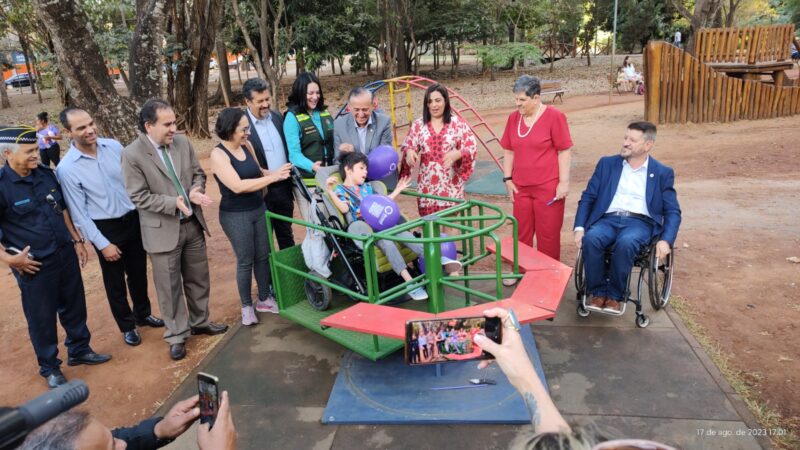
x=444, y=147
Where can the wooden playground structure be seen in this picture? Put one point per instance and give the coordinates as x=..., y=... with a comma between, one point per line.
x=724, y=80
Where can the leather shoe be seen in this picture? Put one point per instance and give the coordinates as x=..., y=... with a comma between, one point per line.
x=55, y=379
x=150, y=321
x=598, y=302
x=177, y=351
x=613, y=305
x=211, y=329
x=91, y=358
x=132, y=338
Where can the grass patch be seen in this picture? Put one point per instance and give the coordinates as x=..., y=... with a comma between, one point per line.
x=767, y=417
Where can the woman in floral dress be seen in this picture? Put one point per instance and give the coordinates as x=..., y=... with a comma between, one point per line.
x=444, y=147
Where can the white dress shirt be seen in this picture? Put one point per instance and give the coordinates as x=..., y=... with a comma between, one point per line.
x=631, y=192
x=271, y=140
x=362, y=133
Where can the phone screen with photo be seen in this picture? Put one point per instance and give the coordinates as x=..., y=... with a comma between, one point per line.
x=208, y=388
x=446, y=340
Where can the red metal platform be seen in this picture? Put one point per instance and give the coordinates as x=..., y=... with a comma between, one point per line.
x=536, y=298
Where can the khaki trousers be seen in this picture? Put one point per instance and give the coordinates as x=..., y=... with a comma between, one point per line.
x=182, y=283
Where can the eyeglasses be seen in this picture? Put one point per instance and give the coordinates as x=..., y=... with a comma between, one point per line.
x=245, y=130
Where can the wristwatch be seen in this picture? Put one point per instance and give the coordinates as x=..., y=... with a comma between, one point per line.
x=506, y=179
x=78, y=241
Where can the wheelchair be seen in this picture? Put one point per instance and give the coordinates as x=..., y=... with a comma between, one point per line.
x=654, y=277
x=347, y=264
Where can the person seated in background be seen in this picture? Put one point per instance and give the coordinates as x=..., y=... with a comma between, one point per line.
x=550, y=430
x=623, y=82
x=347, y=196
x=629, y=201
x=79, y=430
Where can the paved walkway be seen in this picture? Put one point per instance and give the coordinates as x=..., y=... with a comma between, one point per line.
x=654, y=383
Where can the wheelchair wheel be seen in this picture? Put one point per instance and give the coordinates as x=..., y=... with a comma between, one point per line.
x=660, y=279
x=580, y=278
x=583, y=312
x=318, y=295
x=642, y=321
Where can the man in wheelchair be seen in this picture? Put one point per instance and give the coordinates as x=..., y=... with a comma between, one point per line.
x=347, y=195
x=629, y=202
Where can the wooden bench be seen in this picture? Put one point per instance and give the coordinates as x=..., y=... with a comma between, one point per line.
x=553, y=87
x=617, y=84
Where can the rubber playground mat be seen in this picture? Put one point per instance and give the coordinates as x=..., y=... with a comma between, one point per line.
x=487, y=178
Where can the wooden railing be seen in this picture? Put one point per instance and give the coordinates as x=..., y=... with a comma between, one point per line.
x=679, y=89
x=752, y=45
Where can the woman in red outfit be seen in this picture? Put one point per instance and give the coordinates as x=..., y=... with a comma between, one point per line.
x=537, y=146
x=444, y=147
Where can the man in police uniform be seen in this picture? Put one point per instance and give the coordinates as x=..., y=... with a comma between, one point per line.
x=43, y=249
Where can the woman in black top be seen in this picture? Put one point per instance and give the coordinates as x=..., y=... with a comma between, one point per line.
x=241, y=210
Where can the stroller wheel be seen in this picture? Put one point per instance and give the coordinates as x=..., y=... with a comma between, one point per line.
x=318, y=295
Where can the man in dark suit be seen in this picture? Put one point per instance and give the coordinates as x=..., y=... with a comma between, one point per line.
x=269, y=143
x=363, y=128
x=165, y=182
x=629, y=201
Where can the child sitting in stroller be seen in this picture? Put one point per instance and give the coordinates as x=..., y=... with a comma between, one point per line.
x=346, y=196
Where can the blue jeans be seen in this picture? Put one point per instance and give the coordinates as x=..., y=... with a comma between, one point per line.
x=624, y=237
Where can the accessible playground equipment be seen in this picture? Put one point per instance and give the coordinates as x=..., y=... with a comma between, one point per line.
x=723, y=80
x=368, y=325
x=365, y=322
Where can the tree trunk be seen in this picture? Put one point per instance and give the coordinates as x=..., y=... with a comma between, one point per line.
x=4, y=102
x=25, y=51
x=124, y=77
x=70, y=31
x=144, y=54
x=197, y=34
x=224, y=71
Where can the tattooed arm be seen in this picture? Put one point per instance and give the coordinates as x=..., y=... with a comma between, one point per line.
x=515, y=363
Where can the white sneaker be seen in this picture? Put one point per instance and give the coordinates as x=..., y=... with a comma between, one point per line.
x=268, y=305
x=451, y=265
x=249, y=316
x=419, y=294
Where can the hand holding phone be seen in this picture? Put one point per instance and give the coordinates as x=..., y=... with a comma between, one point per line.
x=451, y=339
x=208, y=388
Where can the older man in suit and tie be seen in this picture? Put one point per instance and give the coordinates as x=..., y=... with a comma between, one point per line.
x=165, y=182
x=629, y=201
x=363, y=129
x=269, y=144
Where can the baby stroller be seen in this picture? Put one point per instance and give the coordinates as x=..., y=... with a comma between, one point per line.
x=338, y=259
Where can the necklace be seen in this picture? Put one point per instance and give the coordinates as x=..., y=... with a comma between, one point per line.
x=536, y=118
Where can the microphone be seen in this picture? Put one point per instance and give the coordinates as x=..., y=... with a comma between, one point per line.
x=16, y=423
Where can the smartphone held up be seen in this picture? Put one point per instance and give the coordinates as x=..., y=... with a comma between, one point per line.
x=208, y=388
x=434, y=341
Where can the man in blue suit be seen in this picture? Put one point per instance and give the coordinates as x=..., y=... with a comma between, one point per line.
x=629, y=201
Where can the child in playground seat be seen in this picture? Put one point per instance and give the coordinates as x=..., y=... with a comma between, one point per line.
x=347, y=197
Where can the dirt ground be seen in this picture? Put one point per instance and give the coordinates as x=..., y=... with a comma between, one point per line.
x=739, y=191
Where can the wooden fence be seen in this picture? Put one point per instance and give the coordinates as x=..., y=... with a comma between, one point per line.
x=751, y=45
x=679, y=89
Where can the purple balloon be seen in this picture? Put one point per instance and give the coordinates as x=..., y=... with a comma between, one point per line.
x=381, y=162
x=380, y=212
x=448, y=250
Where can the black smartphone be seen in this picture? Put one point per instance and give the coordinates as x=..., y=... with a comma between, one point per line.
x=208, y=388
x=433, y=341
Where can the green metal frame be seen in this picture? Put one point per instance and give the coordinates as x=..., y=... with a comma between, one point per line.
x=476, y=222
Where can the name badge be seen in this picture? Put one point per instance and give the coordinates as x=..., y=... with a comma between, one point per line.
x=22, y=202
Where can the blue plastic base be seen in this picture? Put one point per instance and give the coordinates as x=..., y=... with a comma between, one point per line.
x=390, y=392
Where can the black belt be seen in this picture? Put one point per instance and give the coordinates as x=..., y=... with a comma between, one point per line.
x=128, y=216
x=187, y=219
x=628, y=214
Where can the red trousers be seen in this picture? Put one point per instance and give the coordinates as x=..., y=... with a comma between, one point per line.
x=535, y=217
